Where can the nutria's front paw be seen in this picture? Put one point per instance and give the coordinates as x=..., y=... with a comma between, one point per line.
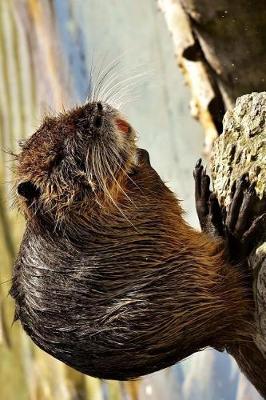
x=207, y=206
x=239, y=228
x=243, y=231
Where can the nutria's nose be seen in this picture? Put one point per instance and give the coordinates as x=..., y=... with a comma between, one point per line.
x=99, y=106
x=98, y=120
x=28, y=190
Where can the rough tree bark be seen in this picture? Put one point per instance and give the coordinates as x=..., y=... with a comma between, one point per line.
x=221, y=49
x=241, y=148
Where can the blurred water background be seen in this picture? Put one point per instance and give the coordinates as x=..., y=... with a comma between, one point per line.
x=47, y=48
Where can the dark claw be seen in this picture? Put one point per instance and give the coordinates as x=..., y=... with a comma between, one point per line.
x=245, y=212
x=240, y=209
x=198, y=167
x=207, y=205
x=251, y=189
x=234, y=225
x=241, y=233
x=240, y=248
x=236, y=203
x=224, y=213
x=198, y=163
x=256, y=232
x=233, y=189
x=205, y=184
x=197, y=176
x=216, y=215
x=244, y=177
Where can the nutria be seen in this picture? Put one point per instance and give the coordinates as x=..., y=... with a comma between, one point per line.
x=110, y=279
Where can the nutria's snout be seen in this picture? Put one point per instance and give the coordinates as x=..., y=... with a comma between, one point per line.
x=100, y=119
x=90, y=119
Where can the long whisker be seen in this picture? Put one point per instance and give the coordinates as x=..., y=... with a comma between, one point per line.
x=110, y=72
x=119, y=209
x=126, y=174
x=108, y=86
x=99, y=82
x=97, y=156
x=103, y=73
x=116, y=181
x=129, y=81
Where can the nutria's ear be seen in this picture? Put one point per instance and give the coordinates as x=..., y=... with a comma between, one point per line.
x=143, y=156
x=28, y=190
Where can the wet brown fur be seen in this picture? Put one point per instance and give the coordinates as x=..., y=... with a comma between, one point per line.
x=110, y=278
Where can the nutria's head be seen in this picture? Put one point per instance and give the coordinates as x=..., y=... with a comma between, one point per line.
x=78, y=158
x=109, y=278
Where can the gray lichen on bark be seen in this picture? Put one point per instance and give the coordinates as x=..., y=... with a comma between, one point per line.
x=240, y=149
x=242, y=146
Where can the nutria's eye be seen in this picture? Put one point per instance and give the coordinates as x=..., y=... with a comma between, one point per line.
x=28, y=190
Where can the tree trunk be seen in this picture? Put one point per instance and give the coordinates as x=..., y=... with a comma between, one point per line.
x=242, y=149
x=221, y=49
